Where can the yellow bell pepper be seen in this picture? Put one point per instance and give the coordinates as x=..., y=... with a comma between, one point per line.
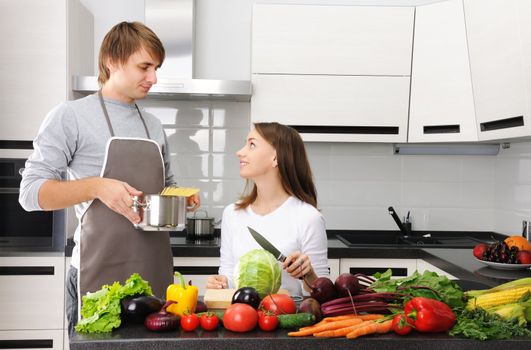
x=184, y=296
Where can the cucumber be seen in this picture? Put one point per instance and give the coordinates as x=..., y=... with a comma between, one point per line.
x=299, y=320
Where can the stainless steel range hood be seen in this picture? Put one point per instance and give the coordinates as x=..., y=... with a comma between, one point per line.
x=173, y=21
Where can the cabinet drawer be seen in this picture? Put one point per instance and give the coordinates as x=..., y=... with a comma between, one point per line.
x=400, y=267
x=196, y=270
x=31, y=339
x=32, y=292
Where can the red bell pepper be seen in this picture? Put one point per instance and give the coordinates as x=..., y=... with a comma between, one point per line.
x=429, y=315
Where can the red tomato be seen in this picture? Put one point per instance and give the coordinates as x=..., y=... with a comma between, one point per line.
x=189, y=322
x=240, y=318
x=209, y=321
x=402, y=324
x=279, y=304
x=267, y=321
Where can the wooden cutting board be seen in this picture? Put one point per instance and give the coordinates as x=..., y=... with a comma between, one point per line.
x=221, y=298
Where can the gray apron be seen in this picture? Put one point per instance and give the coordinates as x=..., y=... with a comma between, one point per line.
x=111, y=249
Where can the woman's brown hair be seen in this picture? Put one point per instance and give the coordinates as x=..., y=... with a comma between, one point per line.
x=123, y=40
x=295, y=172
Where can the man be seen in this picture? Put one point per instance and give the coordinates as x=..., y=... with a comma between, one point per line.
x=111, y=151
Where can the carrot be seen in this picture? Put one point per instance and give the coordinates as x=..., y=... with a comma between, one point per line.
x=325, y=327
x=370, y=317
x=371, y=328
x=333, y=319
x=341, y=332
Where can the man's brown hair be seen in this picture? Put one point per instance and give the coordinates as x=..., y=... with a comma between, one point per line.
x=123, y=40
x=293, y=165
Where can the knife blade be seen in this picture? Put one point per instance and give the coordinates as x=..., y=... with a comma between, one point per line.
x=264, y=243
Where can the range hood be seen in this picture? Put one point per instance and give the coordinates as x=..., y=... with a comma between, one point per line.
x=173, y=21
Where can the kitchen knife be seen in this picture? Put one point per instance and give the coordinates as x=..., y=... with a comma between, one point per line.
x=264, y=243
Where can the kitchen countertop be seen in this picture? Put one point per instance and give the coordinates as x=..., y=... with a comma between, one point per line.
x=137, y=337
x=458, y=262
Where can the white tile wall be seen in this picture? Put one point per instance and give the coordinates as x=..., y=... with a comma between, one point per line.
x=356, y=182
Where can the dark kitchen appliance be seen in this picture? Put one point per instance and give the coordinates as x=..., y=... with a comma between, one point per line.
x=44, y=230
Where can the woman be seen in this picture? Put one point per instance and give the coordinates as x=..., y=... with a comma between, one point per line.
x=281, y=206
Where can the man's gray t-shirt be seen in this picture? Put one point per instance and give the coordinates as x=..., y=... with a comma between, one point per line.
x=72, y=141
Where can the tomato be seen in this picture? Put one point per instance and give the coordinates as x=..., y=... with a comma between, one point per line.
x=240, y=318
x=267, y=321
x=279, y=304
x=402, y=324
x=189, y=322
x=209, y=321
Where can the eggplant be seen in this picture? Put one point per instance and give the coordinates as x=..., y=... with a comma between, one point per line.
x=136, y=308
x=246, y=295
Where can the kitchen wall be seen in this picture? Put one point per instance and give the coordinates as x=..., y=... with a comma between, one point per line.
x=356, y=182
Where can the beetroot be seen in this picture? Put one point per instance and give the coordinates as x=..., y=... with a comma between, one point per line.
x=312, y=306
x=345, y=283
x=323, y=290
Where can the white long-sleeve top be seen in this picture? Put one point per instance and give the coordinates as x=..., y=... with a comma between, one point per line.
x=294, y=226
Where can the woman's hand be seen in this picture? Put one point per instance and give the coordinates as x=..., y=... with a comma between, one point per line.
x=298, y=265
x=217, y=282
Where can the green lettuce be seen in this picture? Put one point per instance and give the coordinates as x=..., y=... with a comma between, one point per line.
x=101, y=310
x=258, y=269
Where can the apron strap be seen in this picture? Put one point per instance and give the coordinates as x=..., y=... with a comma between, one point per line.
x=109, y=120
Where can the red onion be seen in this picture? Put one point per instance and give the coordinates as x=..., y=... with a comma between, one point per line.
x=162, y=321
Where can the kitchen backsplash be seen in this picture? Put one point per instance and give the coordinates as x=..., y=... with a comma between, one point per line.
x=355, y=182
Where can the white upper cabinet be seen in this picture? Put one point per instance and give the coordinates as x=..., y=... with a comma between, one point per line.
x=335, y=73
x=342, y=40
x=442, y=104
x=334, y=108
x=495, y=37
x=34, y=61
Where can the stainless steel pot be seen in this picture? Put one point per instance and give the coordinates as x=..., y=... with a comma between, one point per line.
x=200, y=226
x=160, y=213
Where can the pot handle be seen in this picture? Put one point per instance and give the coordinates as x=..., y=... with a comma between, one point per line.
x=137, y=203
x=202, y=211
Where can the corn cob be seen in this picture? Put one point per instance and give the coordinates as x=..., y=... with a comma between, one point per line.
x=490, y=300
x=522, y=282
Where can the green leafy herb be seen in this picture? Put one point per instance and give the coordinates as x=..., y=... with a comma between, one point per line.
x=101, y=309
x=481, y=325
x=428, y=285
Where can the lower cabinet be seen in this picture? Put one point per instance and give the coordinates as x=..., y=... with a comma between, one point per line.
x=333, y=265
x=32, y=339
x=32, y=302
x=400, y=267
x=196, y=270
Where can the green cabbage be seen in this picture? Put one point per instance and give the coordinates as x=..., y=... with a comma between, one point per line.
x=258, y=269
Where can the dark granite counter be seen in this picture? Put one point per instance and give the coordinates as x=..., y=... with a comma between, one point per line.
x=458, y=262
x=137, y=337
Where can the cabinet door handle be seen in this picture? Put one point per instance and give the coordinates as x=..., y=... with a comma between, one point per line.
x=26, y=344
x=502, y=124
x=26, y=270
x=197, y=270
x=16, y=144
x=369, y=271
x=442, y=129
x=340, y=129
